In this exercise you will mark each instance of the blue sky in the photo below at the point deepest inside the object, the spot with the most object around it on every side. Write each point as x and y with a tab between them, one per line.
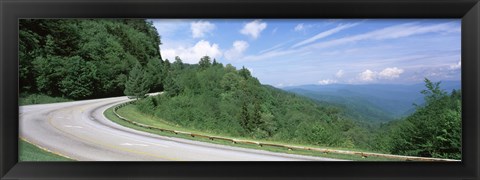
321	51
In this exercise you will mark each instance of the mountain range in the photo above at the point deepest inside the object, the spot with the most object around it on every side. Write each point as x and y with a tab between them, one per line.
371	102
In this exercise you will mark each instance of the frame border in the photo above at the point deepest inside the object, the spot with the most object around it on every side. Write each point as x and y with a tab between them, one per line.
467	10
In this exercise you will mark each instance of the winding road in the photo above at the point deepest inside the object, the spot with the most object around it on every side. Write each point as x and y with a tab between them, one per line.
79	130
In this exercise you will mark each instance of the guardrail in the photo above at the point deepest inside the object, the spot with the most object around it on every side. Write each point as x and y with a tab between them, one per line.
289	147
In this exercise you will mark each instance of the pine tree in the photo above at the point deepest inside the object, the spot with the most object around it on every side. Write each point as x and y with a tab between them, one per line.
137	83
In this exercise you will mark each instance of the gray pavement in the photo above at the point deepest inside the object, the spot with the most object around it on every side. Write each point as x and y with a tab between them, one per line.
80	130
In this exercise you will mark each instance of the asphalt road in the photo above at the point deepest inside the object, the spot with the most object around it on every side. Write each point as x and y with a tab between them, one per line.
80	130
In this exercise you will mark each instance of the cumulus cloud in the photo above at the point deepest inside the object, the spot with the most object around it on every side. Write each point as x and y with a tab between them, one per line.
236	51
456	66
193	54
367	75
254	28
201	28
390	73
327	81
339	73
387	73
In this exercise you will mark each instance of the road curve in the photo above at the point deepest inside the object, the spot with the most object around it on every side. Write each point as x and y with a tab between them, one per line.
79	130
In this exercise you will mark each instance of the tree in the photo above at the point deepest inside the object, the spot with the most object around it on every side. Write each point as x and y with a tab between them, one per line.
245	73
230	82
137	83
204	62
433	130
29	48
216	63
78	79
166	71
230	68
433	91
177	64
154	72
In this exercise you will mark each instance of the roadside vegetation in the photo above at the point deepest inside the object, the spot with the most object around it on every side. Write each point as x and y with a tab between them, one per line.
30	152
93	58
130	112
222	100
28	99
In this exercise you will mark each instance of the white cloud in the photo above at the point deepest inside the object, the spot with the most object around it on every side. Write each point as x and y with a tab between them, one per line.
271	48
327	81
339	73
269	55
254	28
392	32
299	27
390	73
387	73
236	51
193	54
456	66
200	28
324	33
367	75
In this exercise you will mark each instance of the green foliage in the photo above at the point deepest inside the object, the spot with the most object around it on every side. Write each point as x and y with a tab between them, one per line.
29	152
222	100
434	130
79	77
89	58
433	91
86	58
137	83
27	99
204	62
154	75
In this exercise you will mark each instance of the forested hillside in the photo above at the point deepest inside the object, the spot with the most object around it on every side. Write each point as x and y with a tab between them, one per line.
223	100
85	58
355	107
92	58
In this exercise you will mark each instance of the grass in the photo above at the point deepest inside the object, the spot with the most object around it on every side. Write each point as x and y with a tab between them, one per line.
131	113
28	99
30	152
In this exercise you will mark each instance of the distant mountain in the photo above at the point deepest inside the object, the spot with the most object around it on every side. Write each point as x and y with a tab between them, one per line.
371	102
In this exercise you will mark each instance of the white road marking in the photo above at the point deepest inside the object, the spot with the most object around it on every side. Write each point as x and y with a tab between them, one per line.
70	126
129	144
119	135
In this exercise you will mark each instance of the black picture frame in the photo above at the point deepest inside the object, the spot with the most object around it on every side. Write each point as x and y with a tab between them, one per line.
12	10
